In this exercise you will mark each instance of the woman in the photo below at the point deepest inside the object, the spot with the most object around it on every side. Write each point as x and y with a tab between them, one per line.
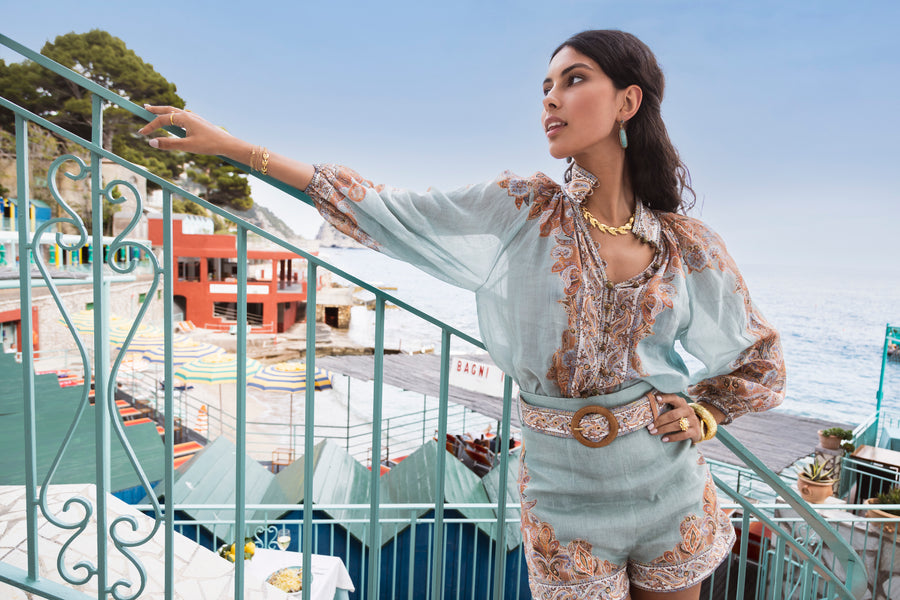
582	291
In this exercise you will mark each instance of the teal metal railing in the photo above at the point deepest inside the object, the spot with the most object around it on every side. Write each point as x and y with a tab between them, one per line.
792	569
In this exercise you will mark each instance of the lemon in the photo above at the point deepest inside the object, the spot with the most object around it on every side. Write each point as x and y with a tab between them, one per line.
249	549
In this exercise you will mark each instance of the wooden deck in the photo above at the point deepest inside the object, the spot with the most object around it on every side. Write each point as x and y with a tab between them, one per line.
777	438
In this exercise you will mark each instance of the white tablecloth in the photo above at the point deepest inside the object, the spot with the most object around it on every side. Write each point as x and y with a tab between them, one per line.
330	578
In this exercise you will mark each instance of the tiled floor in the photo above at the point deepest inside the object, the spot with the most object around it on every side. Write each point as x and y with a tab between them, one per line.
199	573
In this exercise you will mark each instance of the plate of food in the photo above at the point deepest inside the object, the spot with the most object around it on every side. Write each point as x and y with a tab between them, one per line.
287	579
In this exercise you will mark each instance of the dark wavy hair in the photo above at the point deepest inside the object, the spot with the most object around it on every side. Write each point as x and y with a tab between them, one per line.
657	174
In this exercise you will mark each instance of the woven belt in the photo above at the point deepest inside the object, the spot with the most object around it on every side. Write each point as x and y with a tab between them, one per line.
594	426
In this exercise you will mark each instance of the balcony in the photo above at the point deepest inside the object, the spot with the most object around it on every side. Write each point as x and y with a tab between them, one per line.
102	511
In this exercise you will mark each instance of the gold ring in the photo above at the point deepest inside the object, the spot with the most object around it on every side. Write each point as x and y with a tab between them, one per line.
172	119
684	424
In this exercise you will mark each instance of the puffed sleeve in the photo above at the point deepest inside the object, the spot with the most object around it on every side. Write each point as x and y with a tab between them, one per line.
744	365
456	236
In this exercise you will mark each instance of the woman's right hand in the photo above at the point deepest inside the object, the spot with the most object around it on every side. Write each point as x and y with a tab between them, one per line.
205	138
202	136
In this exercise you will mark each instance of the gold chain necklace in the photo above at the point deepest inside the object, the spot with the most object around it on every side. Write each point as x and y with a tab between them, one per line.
606	228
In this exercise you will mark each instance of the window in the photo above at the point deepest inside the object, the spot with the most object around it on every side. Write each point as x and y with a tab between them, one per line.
188	268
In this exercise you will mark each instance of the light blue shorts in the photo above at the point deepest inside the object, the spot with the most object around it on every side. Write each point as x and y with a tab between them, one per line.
638	512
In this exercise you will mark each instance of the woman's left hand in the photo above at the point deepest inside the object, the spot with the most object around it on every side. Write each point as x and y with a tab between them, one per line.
670	424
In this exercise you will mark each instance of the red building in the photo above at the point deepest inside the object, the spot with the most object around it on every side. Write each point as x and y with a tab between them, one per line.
206	287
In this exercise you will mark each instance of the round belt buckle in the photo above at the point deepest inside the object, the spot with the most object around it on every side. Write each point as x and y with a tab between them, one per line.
594	410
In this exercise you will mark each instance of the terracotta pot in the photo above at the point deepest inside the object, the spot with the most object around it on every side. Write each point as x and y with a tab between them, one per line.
815	492
874	513
830	442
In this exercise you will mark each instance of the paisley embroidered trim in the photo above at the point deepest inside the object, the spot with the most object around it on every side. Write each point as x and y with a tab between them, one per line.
607	321
705	542
557	572
558	423
581	184
756	378
331	200
614	587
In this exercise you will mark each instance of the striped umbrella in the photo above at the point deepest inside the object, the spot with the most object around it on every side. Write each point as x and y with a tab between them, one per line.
84	321
119	330
215	369
288	377
184	351
218	368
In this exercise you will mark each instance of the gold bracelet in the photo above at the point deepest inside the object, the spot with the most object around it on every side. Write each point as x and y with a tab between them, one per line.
253	158
709	427
265	162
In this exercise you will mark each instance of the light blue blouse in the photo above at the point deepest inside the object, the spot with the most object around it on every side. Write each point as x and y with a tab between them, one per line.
547	314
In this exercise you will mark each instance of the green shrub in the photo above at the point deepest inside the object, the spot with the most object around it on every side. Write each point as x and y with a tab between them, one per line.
844	434
891	496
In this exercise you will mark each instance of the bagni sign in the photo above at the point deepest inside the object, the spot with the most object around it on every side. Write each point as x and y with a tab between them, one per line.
476	376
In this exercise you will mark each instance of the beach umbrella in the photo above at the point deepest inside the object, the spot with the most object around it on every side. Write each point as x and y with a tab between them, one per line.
119	330
215	369
289	377
184	351
144	342
84	321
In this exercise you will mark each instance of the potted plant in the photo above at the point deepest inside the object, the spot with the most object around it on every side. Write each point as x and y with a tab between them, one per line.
229	552
815	482
891	496
833	437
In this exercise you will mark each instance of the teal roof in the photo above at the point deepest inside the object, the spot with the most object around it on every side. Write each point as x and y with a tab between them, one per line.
338	478
209	478
56	409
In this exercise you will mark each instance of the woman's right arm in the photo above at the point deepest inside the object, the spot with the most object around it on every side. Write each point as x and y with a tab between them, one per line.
455	235
205	138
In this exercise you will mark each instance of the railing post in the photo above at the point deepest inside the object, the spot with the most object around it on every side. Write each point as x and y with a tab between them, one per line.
168	376
241	414
500	558
23	176
101	348
437	583
309	423
347	434
879	395
375	481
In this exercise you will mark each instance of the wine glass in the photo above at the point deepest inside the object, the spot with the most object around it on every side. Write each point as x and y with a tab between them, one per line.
283	539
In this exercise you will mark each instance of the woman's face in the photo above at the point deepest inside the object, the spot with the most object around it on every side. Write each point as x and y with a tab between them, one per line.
581	107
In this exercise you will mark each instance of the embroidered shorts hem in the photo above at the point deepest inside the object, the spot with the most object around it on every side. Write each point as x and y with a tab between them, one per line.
611	587
684	575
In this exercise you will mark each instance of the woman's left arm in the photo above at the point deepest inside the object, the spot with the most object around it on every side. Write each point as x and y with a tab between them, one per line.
744	365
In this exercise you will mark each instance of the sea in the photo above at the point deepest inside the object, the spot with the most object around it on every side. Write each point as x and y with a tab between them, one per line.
832	322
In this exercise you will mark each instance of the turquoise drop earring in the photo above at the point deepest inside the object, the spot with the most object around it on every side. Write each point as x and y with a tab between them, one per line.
623	137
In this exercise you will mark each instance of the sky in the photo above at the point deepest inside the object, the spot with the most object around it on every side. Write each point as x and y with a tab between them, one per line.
784	112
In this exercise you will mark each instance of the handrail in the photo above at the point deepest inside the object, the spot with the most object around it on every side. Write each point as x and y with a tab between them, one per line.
852	564
170	187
